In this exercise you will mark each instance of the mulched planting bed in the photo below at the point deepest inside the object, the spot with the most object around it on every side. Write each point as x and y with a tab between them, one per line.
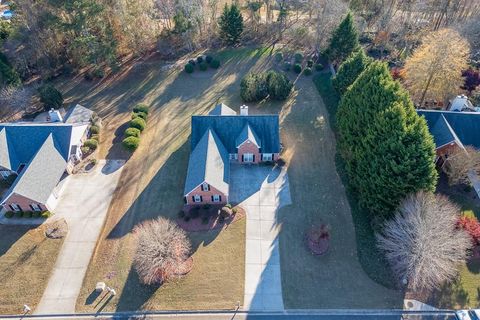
214	219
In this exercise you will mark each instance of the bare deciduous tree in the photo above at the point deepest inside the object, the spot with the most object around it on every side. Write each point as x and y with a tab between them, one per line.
461	163
422	242
162	252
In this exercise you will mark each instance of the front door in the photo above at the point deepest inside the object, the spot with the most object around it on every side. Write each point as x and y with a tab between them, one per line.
248	157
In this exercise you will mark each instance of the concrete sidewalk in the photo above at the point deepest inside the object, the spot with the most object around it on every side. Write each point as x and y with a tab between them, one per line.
261	190
84	204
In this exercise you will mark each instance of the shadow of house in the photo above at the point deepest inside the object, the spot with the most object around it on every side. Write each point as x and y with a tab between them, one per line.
10	234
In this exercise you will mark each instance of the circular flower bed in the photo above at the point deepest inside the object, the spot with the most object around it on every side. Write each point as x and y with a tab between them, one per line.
318	239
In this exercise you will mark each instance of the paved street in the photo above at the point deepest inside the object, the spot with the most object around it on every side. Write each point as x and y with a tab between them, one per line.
84	204
261	190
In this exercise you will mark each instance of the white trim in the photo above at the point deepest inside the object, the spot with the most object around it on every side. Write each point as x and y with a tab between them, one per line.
216	198
197	198
249	141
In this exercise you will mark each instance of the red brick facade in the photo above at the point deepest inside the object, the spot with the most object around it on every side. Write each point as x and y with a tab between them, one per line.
206	196
249	147
23	202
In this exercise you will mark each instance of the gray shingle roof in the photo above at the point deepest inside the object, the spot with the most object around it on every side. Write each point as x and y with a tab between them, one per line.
248	134
209	163
78	114
222	109
228	128
24	139
42	173
449	126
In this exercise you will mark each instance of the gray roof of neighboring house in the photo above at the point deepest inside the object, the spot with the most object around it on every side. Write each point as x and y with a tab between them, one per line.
248	134
42	173
209	162
78	114
450	126
222	109
229	128
19	142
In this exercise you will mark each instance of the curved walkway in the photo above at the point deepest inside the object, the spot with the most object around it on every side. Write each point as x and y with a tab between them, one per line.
261	190
84	204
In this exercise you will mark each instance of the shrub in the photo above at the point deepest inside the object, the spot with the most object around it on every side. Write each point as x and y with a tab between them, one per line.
278	56
298	57
9	214
319	67
253	87
27	214
208	59
189	68
132	132
228	205
192	62
36	214
19	214
95	137
163	248
131	143
278	84
203	66
50	96
186	218
141	107
138	123
181	214
286	66
94	129
307	71
92	144
226	212
88	75
310	63
9	74
46	214
84	149
98	73
424	229
215	64
199	59
142	115
469	223
195	212
297	68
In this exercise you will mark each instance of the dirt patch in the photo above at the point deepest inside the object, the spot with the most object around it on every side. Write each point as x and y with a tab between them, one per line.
317	240
208	219
57	229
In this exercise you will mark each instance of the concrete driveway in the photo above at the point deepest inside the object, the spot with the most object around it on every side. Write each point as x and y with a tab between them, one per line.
84	204
261	190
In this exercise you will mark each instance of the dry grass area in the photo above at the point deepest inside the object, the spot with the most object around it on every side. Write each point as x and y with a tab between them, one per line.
153	178
27	258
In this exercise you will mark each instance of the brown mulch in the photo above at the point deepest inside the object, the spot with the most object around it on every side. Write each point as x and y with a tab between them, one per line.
194	225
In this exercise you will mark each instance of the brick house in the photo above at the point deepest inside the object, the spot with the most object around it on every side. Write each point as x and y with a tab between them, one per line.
38	155
452	130
222	138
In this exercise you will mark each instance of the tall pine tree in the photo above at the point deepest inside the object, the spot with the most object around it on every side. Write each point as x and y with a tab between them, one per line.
231	24
344	40
349	70
388	150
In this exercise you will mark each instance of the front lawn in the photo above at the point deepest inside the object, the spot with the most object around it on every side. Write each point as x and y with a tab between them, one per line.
27	258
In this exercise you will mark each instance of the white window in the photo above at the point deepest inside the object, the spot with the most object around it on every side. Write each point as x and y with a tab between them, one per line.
248	157
15	207
216	198
5	174
197	198
233	156
36	207
205	187
267	157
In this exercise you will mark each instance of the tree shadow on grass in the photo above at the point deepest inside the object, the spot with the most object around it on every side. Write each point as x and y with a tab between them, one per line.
135	294
117	151
10	234
449	296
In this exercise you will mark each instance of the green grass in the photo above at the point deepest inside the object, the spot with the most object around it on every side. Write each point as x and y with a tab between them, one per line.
27	258
372	260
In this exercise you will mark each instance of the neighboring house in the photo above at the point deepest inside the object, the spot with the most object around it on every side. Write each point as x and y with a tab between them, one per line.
39	154
461	103
451	130
223	137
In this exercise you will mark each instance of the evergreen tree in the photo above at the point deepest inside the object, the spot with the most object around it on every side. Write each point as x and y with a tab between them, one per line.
349	70
388	150
344	40
231	24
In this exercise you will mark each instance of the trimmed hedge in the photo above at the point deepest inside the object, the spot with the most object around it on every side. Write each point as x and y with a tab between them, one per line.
138	123
199	59
215	64
132	132
46	214
189	68
9	214
131	143
286	66
278	56
203	66
297	68
141	108
92	144
94	129
307	71
319	67
192	62
208	59
298	57
142	115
